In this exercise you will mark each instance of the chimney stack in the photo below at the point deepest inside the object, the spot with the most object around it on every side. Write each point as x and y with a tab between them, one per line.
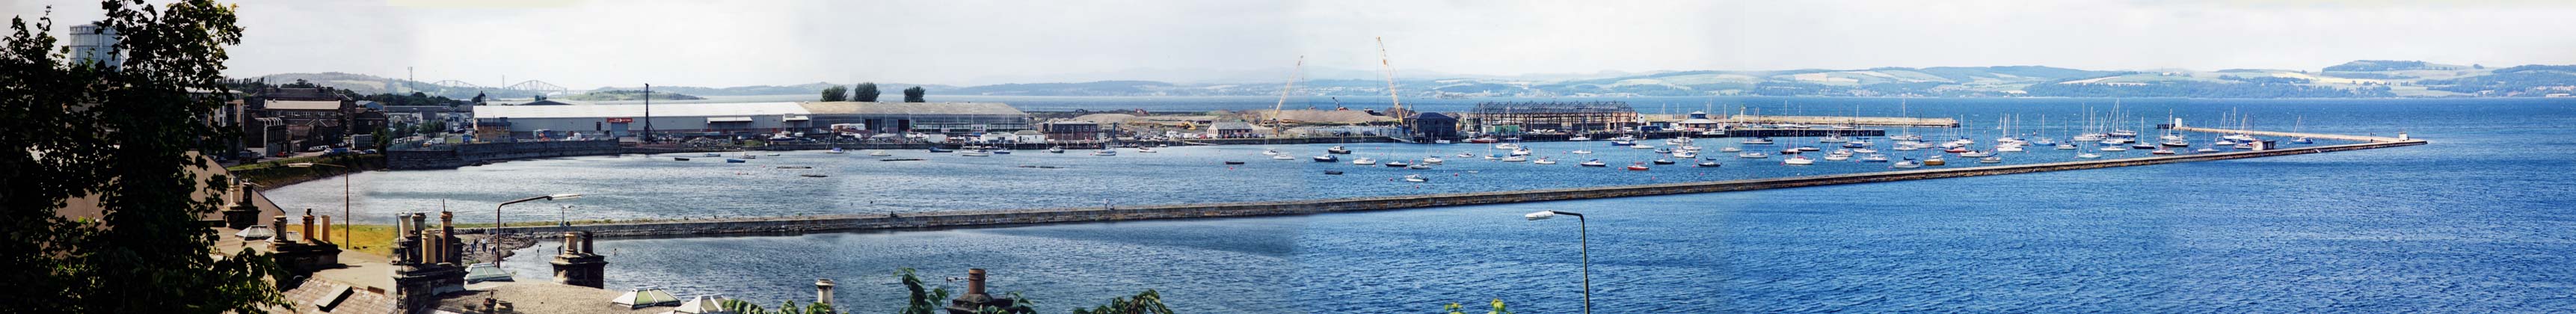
278	224
447	246
308	225
974	281
326	229
823	291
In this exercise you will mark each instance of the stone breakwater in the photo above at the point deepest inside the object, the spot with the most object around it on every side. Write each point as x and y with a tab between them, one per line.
1244	209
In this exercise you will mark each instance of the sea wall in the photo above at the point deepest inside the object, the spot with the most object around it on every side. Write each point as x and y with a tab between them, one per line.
452	156
1242	209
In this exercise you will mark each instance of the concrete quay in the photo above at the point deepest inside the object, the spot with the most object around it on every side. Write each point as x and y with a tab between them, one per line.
2401	136
1834	120
776	225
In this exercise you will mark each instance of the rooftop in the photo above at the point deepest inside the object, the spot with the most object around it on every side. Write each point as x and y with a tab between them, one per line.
636	111
304	104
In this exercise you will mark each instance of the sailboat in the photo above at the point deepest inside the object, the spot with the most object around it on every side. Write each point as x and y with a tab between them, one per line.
1798	160
1594	163
880	153
1544	161
1363	161
1909	163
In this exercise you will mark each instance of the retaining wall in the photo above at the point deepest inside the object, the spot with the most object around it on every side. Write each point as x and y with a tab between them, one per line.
1092	214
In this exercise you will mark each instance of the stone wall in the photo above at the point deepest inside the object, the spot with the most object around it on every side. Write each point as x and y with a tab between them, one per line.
452	156
1184	211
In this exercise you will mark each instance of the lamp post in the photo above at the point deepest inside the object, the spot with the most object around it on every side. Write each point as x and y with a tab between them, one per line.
1583	233
495	232
344	197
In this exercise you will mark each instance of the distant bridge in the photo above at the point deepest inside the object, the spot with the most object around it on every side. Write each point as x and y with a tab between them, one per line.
529	86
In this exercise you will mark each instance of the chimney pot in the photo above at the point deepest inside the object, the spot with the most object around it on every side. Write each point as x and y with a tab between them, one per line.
974	281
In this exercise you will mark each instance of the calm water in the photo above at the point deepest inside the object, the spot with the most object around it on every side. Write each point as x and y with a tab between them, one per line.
2476	222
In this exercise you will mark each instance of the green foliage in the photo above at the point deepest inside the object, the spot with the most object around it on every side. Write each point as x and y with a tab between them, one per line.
1454	308
866	92
1148	302
124	137
383	137
914	94
923	300
540	97
836	93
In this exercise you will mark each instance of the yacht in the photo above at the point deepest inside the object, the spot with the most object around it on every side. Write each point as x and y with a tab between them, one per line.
1708	164
1396	164
2177	143
1516	158
1909	163
2088	155
1758	141
1637	167
1466	155
1753	155
1660	161
1415	178
2142	145
1580	152
1798	160
1935	160
1578	138
1729	149
1544	161
1326	158
2223	143
1364	161
1337	150
1874	158
1057	149
1594	163
1990	160
1105	152
1434	160
1832	139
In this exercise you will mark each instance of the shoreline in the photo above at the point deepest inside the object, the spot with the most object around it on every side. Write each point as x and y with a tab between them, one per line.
995	218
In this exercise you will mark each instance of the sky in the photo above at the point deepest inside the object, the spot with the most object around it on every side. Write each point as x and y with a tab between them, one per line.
592	43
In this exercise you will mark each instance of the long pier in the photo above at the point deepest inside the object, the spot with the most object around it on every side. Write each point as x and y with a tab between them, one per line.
2401	136
1300	207
1832	120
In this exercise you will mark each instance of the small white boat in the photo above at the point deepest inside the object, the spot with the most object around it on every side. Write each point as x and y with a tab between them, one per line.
1433	160
836	150
1418	167
1907	164
1837	157
1874	158
1282	157
1594	163
1269	152
1865	151
1466	155
2223	143
1686	154
1578	138
1364	161
1415	178
2114	149
1507	146
1544	161
1729	149
2088	155
1520	158
2065	146
1580	152
1798	160
1753	155
1642	146
2008	148
1105	152
1687	147
1520	152
1057	149
1678	141
2205	150
880	153
1758	141
1832	139
2302	140
1990	160
1145	150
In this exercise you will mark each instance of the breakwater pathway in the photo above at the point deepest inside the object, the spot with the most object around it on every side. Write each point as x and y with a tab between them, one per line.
1112	212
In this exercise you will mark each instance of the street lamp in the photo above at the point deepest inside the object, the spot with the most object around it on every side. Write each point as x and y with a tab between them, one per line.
344	198
495	233
1584	233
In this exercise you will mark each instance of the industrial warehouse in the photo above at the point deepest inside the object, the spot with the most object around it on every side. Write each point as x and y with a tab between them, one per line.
549	122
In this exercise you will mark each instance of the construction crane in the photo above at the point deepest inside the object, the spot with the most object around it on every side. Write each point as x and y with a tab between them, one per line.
1299	73
1397	109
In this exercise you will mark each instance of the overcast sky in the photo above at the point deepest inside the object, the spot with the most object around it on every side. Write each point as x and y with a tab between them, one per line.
583	44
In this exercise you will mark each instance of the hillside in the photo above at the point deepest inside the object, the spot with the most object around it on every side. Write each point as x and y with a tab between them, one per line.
2365	78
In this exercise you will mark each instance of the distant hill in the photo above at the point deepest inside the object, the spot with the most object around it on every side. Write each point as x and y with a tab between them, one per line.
2364	78
628	94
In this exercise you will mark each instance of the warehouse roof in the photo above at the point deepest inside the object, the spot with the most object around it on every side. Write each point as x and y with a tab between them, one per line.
637	111
304	104
911	108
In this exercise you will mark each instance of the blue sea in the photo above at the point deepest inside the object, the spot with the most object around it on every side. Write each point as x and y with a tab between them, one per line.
2476	222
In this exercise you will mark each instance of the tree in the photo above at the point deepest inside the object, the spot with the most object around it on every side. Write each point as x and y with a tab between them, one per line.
1148	302
836	93
382	139
541	97
924	300
913	94
478	98
127	138
867	92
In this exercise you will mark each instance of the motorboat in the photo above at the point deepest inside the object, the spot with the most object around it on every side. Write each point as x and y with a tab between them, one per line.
1580	152
2114	149
1146	150
880	153
1956	150
2088	155
1990	160
1874	158
1752	155
1434	160
1685	154
734	161
1418	167
1809	148
1578	138
1798	160
1282	157
1364	161
1337	150
835	150
1326	158
1415	178
1729	149
1396	164
680	158
1935	160
1837	157
1105	152
712	155
1909	163
1544	161
1593	163
2065	146
1660	161
1269	152
1637	167
1708	164
1832	139
1333	172
1519	158
1057	149
1520	151
2162	151
1758	141
1622	143
975	153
